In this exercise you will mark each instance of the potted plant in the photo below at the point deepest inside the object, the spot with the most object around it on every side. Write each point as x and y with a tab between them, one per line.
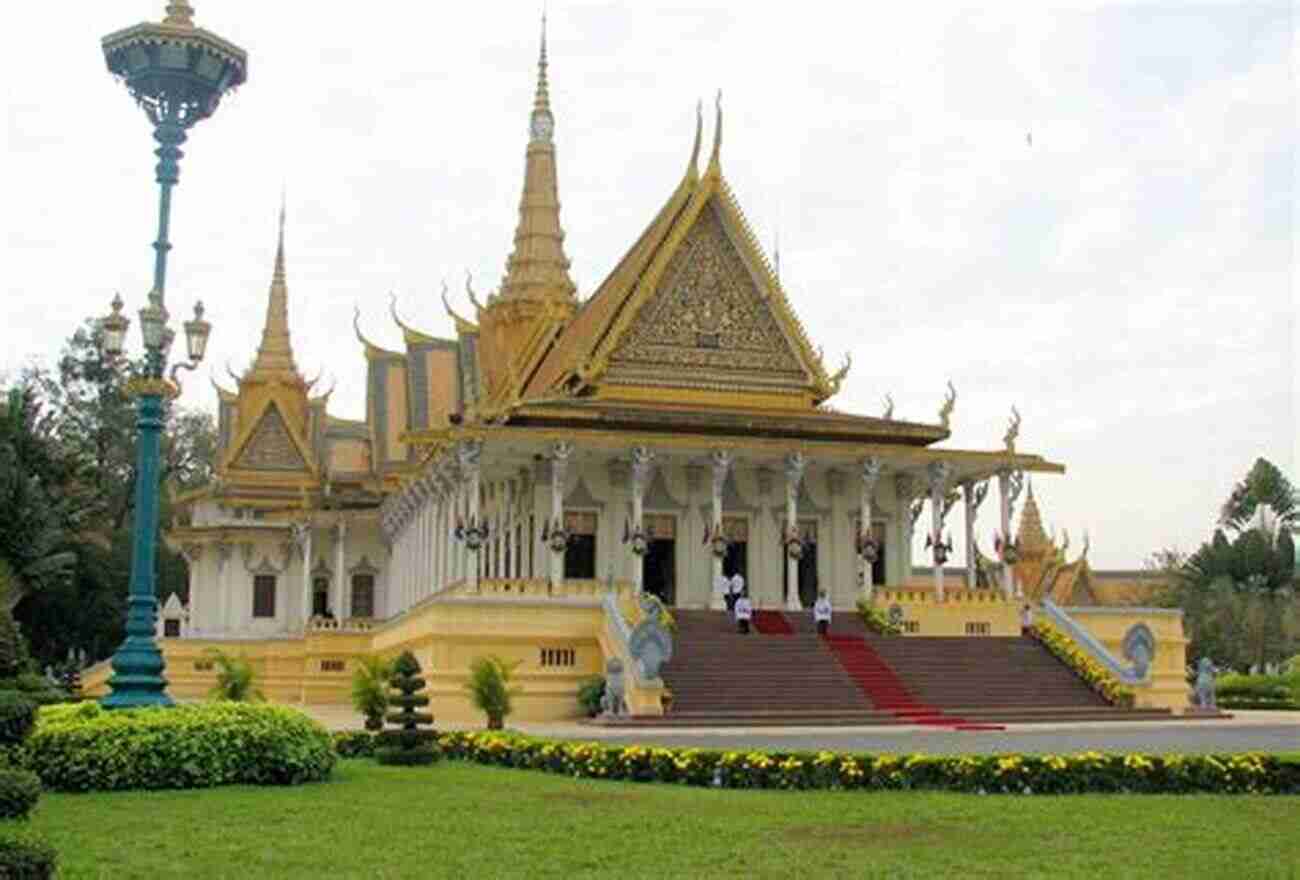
489	688
370	689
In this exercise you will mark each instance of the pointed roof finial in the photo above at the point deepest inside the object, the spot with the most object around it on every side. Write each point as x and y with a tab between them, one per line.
542	100
179	14
275	354
693	169
715	161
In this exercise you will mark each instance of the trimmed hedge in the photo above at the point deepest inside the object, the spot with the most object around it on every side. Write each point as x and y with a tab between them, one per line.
983	774
85	748
24	856
17	717
19	792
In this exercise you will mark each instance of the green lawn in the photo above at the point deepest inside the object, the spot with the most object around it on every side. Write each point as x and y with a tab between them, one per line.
468	822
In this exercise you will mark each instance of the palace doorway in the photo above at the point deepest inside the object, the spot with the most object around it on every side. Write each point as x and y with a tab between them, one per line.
320	597
806	584
659	572
580	556
736	562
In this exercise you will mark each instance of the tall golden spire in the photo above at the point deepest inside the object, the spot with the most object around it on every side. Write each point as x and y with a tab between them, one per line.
1031	536
537	269
275	354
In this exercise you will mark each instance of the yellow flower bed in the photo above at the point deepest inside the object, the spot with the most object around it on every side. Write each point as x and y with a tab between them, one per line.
1097	676
986	774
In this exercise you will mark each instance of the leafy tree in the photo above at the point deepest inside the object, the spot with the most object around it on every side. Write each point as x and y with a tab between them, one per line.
41	500
85	418
1264	484
1239	594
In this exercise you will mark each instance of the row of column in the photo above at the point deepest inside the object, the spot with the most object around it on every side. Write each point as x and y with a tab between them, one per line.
432	556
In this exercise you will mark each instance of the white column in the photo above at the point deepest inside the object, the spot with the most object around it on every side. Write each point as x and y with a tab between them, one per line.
1009	485
512	516
340	572
642	468
939	473
470	452
973	495
871	467
721	464
305	546
794	468
560	455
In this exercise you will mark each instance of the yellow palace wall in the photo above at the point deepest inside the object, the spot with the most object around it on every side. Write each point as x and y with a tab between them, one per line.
1168	688
560	642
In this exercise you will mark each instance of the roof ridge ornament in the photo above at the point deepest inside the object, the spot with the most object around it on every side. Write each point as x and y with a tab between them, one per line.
693	169
715	161
945	411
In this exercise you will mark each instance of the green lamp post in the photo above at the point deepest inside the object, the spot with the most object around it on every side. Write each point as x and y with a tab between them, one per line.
178	75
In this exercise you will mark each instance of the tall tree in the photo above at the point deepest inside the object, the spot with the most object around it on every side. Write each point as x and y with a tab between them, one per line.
42	502
1264	484
89	417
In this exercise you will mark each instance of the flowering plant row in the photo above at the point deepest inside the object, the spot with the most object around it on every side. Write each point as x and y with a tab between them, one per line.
982	774
877	621
1092	672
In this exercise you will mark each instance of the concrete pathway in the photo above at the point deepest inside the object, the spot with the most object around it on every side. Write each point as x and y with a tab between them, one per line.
1246	732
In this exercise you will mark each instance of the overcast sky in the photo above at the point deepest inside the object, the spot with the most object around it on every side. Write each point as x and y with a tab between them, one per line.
1127	279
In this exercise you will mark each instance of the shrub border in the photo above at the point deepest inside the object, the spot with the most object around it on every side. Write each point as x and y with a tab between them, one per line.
1249	773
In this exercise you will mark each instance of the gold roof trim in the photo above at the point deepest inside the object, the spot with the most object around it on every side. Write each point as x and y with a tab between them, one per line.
410	335
462	326
373	352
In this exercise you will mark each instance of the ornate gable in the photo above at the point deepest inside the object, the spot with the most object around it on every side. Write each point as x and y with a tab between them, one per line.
270	447
707	322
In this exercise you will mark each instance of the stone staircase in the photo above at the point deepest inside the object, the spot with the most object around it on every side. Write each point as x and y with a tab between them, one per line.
789	676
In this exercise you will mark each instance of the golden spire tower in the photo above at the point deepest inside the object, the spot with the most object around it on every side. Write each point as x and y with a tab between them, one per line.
538	267
537	296
275	354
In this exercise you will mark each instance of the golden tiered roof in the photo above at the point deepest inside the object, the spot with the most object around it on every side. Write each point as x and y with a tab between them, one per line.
694	306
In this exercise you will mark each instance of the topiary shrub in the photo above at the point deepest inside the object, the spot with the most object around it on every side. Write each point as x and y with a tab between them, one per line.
489	688
19	792
84	748
590	693
17	717
408	745
24	856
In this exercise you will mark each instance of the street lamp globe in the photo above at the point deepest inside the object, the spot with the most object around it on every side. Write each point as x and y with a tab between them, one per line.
113	330
196	334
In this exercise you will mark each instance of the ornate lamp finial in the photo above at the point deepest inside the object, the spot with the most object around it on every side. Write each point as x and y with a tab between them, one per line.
179	14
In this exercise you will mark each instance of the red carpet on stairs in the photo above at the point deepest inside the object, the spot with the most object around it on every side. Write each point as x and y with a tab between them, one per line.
772	623
885	689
